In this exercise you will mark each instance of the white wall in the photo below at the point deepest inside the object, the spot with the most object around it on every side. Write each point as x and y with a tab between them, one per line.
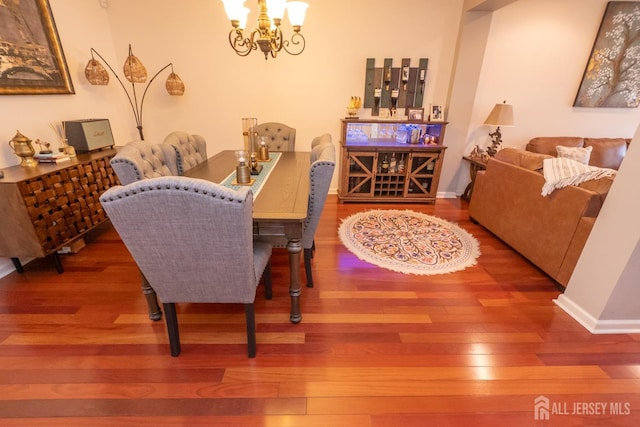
602	293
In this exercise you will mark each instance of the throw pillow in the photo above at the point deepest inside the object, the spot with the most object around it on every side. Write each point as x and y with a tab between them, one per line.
579	154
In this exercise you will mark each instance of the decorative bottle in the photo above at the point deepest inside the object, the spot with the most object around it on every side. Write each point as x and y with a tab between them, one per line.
393	164
385	165
401	164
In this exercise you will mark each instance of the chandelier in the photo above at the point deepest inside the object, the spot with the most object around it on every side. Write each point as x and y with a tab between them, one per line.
268	36
135	72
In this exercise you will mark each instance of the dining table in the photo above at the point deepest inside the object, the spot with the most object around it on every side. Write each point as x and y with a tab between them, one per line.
281	197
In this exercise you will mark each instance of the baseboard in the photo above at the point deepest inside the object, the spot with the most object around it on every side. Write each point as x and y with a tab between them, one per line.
593	325
446	195
6	267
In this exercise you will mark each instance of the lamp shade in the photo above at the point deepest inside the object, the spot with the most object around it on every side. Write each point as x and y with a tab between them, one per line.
276	8
134	70
296	11
234	9
501	115
174	85
96	73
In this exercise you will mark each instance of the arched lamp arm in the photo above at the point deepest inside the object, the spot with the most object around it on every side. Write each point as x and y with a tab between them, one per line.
170	64
133	106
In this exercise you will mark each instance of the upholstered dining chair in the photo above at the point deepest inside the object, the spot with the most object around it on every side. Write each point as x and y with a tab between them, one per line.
141	159
279	136
193	241
319	140
190	149
323	163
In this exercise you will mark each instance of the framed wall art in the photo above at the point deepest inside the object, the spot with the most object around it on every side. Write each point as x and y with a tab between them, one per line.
31	58
612	75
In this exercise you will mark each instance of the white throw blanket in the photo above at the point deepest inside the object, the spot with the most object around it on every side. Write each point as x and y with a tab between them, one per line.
560	172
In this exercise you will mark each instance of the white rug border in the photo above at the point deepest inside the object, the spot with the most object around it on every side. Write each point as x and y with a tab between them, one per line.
472	260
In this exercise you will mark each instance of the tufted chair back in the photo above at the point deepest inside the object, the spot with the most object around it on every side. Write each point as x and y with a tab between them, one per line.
316	142
140	159
193	242
280	137
323	164
323	158
190	149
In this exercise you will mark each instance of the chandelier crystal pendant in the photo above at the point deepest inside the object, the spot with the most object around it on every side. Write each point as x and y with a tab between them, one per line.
268	36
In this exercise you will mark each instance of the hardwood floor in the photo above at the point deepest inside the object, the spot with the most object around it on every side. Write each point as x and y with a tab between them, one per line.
375	347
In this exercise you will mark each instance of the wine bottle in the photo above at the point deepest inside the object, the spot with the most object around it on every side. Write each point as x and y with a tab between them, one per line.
393	164
385	165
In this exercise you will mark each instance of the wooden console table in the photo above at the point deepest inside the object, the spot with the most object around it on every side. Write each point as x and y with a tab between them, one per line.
45	207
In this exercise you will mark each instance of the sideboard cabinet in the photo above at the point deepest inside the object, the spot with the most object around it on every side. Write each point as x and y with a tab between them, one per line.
45	207
378	164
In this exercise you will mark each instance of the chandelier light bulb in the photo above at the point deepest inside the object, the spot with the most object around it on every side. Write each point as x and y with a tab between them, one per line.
276	9
296	11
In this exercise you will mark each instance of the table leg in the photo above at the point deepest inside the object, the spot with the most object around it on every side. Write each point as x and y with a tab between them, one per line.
294	247
473	170
152	302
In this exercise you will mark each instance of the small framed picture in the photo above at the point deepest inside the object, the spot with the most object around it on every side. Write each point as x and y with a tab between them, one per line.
437	113
415	114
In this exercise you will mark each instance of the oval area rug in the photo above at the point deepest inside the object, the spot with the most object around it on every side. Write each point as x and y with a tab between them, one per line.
408	242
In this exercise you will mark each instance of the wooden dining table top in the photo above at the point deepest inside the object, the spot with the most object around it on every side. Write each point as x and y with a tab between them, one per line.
284	195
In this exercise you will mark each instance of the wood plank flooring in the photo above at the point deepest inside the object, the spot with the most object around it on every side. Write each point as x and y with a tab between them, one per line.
375	347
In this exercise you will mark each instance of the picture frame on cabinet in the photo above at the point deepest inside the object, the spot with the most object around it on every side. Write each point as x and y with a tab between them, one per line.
415	114
436	113
31	59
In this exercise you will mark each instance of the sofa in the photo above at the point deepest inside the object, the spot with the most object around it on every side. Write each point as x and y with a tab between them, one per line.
550	231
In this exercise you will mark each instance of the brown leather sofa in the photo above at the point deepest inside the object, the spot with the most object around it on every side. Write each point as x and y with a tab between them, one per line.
549	231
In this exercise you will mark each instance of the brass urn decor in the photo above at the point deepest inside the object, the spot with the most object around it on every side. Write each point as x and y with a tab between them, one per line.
22	147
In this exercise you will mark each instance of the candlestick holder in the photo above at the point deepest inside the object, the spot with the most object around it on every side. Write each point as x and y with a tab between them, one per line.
243	173
263	151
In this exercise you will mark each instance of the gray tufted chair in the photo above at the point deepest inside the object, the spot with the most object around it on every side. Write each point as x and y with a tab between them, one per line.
141	159
190	149
193	241
315	142
323	163
280	137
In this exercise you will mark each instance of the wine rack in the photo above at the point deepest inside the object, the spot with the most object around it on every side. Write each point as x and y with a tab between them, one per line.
377	166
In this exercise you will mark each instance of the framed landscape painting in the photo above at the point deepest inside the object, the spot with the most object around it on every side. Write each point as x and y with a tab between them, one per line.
612	75
31	58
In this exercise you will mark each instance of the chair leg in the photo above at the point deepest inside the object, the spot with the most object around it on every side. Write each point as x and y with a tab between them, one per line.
308	254
171	319
251	329
152	301
266	278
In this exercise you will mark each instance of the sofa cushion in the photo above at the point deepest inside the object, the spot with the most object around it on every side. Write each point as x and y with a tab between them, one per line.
548	144
522	158
607	152
579	154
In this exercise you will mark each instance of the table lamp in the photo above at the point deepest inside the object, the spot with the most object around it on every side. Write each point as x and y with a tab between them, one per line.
501	115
